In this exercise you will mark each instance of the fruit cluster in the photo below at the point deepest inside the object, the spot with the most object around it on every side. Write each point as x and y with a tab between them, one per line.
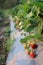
30	48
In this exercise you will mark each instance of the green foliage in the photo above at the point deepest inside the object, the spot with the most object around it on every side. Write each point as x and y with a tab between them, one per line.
32	22
9	44
22	1
8	41
7	32
30	37
38	4
30	13
1	13
17	8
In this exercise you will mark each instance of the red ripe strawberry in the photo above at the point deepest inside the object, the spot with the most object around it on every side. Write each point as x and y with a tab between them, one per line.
32	55
34	46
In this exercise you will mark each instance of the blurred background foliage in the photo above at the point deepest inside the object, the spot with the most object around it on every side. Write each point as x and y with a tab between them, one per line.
4	4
